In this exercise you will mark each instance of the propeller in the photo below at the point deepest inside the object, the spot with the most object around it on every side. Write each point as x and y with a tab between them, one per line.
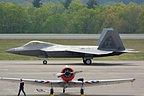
60	74
77	72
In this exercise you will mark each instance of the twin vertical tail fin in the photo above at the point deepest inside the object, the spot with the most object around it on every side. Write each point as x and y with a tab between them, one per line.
110	41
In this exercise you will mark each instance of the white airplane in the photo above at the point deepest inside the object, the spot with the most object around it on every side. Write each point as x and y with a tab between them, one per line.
109	44
67	75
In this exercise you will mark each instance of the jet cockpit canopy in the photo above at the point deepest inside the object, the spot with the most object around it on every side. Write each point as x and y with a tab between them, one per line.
34	43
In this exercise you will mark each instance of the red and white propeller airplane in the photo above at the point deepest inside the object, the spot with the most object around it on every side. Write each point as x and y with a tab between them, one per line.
67	75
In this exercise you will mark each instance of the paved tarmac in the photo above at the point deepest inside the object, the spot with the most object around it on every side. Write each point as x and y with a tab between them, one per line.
98	70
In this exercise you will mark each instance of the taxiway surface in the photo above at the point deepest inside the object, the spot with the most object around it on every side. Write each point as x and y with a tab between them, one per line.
98	70
65	36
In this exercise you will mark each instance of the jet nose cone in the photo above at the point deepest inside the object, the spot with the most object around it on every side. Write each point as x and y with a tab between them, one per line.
11	50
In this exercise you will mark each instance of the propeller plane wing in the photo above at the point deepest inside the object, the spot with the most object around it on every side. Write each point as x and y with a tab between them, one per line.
67	75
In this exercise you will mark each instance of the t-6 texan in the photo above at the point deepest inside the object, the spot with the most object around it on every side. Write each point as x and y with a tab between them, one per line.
67	75
109	44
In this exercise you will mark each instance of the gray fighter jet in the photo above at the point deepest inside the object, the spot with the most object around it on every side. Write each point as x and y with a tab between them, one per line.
109	44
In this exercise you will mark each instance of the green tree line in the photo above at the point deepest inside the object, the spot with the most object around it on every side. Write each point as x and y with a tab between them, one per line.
75	18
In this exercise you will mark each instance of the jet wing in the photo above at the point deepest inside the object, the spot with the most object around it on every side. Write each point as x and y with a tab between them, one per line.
88	51
73	83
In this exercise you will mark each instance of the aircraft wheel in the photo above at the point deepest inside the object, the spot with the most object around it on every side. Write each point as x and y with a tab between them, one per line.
44	62
82	91
87	61
51	91
63	90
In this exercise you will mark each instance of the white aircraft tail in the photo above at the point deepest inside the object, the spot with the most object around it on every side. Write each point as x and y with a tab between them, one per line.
110	40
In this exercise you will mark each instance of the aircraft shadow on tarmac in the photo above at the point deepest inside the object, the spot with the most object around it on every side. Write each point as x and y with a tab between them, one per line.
81	64
96	64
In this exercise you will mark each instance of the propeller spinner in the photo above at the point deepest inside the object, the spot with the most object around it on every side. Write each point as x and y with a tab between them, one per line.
67	73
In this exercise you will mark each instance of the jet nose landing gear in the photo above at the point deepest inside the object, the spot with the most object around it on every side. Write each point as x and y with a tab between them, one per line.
44	62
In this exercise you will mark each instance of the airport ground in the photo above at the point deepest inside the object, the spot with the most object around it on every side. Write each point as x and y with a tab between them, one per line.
34	69
29	67
65	36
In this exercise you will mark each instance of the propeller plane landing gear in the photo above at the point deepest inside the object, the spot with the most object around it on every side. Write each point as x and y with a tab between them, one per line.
64	89
51	92
82	89
82	92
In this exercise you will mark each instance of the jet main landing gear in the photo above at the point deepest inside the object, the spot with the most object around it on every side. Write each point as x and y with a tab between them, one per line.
87	61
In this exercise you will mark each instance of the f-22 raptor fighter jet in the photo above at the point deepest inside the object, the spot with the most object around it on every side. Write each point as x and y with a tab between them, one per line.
109	44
